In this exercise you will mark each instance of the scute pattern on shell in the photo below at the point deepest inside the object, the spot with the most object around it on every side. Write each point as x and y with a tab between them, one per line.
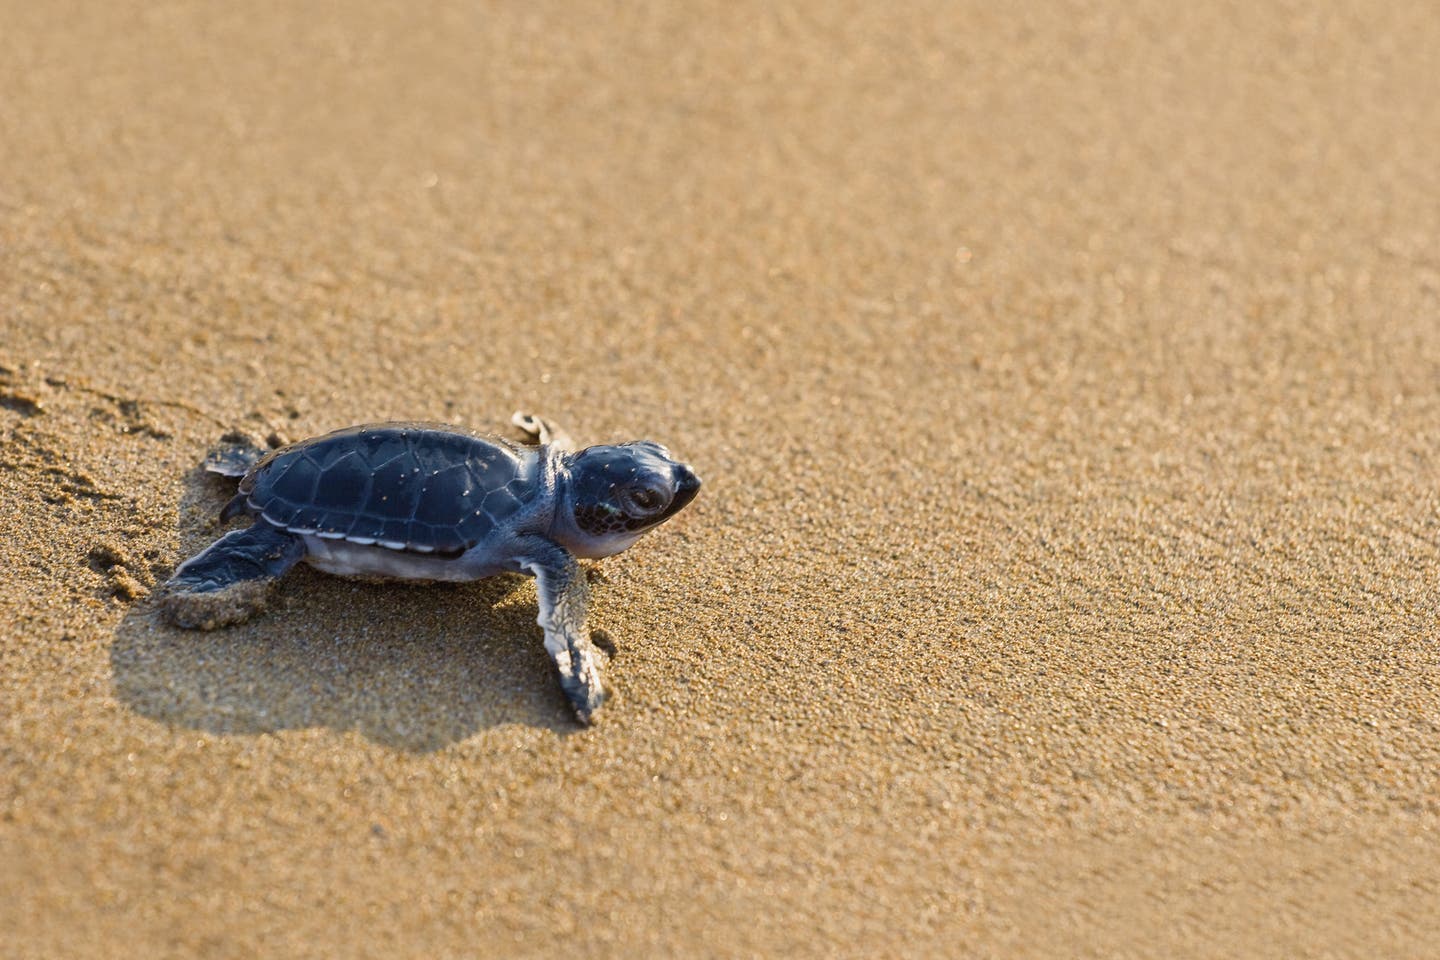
425	488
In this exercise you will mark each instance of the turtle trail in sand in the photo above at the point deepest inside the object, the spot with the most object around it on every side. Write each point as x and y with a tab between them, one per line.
423	501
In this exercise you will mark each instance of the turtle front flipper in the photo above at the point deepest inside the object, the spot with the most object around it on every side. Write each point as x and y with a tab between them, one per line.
542	431
564	597
228	581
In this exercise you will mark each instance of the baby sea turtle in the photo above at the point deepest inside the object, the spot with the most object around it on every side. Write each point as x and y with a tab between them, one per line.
426	501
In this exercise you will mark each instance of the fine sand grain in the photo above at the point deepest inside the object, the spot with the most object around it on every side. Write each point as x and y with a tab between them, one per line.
1066	384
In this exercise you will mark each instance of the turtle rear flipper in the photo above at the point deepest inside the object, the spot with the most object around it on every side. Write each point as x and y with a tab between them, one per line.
234	456
228	582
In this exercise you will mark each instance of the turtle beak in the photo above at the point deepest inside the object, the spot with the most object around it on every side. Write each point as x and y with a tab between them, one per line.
686	486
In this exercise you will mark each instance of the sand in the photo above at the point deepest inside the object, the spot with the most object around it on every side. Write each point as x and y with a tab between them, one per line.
1064	383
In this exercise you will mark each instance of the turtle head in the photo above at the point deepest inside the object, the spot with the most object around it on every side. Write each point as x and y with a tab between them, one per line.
615	493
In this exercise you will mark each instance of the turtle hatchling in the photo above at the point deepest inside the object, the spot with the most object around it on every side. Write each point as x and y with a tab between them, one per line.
423	501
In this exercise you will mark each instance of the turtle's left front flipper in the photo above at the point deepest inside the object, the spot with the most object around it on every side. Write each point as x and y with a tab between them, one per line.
541	431
228	581
564	598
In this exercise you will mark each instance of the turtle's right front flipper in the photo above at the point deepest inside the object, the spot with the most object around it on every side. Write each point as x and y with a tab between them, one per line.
563	596
228	581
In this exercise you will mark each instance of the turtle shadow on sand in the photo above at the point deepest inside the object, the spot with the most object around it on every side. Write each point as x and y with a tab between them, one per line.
412	667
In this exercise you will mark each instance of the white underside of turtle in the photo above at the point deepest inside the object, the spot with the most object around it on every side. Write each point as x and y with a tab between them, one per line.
414	501
346	559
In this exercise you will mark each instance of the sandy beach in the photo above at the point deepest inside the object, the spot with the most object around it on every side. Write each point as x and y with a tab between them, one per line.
1065	382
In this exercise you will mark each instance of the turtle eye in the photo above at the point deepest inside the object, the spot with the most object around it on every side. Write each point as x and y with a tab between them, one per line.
645	500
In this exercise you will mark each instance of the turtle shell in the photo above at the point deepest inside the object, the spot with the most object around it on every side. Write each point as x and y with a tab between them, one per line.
419	487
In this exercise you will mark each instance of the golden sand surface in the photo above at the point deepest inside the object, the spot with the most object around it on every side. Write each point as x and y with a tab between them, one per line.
1064	381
